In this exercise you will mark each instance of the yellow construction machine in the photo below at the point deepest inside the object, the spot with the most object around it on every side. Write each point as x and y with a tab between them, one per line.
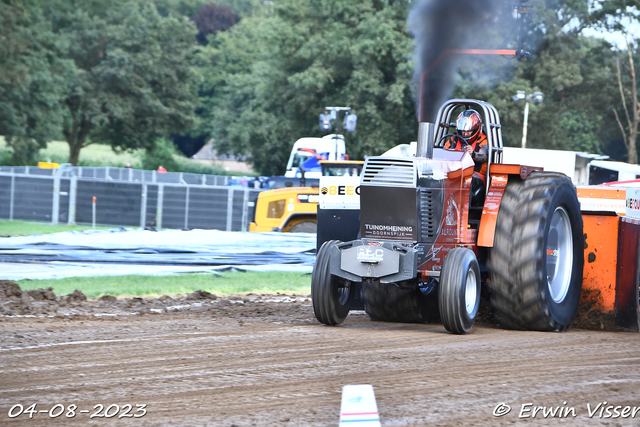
295	209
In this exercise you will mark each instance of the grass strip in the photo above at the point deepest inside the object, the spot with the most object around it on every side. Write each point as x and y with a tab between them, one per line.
26	228
225	283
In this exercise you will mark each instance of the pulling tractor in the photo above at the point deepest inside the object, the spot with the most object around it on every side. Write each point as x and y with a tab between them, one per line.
426	244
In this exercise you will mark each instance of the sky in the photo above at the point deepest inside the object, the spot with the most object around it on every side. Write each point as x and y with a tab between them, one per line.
617	39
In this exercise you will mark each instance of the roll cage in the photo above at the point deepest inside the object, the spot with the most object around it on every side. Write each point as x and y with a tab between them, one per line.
491	126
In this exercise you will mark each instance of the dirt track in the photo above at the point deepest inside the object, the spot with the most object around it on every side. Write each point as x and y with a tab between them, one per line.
265	361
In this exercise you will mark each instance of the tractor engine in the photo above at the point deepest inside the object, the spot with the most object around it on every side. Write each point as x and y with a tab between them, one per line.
411	211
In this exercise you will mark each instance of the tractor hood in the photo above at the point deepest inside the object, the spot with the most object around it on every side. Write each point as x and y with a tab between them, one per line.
402	199
409	172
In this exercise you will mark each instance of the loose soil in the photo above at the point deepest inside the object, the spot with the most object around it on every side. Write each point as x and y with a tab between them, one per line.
264	360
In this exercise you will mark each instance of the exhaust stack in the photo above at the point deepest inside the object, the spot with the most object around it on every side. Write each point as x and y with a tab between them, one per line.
425	140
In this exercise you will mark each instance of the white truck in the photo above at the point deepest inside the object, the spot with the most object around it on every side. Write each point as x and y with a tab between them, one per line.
331	147
307	152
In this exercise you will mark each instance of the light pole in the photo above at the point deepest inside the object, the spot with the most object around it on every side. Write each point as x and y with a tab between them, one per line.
537	98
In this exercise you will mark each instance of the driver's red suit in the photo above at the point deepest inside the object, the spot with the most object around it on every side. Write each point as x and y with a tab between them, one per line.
479	153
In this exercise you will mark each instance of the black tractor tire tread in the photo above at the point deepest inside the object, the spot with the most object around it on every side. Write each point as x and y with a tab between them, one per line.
501	258
325	308
516	296
447	299
449	303
316	294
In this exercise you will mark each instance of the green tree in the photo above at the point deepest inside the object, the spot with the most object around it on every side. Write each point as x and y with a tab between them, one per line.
228	53
629	101
31	79
617	16
191	7
161	153
132	83
210	20
574	73
306	55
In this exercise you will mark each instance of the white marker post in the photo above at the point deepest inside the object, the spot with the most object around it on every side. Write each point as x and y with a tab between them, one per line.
358	407
93	213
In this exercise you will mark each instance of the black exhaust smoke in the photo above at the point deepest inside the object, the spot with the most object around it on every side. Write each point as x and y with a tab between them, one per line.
439	28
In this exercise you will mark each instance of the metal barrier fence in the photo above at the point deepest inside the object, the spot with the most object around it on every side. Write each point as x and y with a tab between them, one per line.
126	197
121	174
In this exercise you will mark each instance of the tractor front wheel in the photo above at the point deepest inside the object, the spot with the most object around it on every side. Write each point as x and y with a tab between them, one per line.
459	292
331	296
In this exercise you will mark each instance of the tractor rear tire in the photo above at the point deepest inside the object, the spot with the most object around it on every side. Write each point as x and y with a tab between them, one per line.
537	257
331	296
304	227
459	291
385	302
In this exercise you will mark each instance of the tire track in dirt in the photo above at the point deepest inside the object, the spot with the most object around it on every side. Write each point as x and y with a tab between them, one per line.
265	360
283	368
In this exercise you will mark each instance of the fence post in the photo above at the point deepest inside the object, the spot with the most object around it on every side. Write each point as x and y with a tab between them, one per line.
229	207
55	211
93	212
72	199
143	206
159	207
13	188
186	210
245	206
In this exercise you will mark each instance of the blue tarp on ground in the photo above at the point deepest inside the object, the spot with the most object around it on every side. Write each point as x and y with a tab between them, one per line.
123	252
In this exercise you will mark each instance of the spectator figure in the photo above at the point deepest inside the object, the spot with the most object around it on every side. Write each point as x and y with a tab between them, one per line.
128	165
161	169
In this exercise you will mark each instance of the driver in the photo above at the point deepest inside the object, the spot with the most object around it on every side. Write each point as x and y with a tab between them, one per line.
469	126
